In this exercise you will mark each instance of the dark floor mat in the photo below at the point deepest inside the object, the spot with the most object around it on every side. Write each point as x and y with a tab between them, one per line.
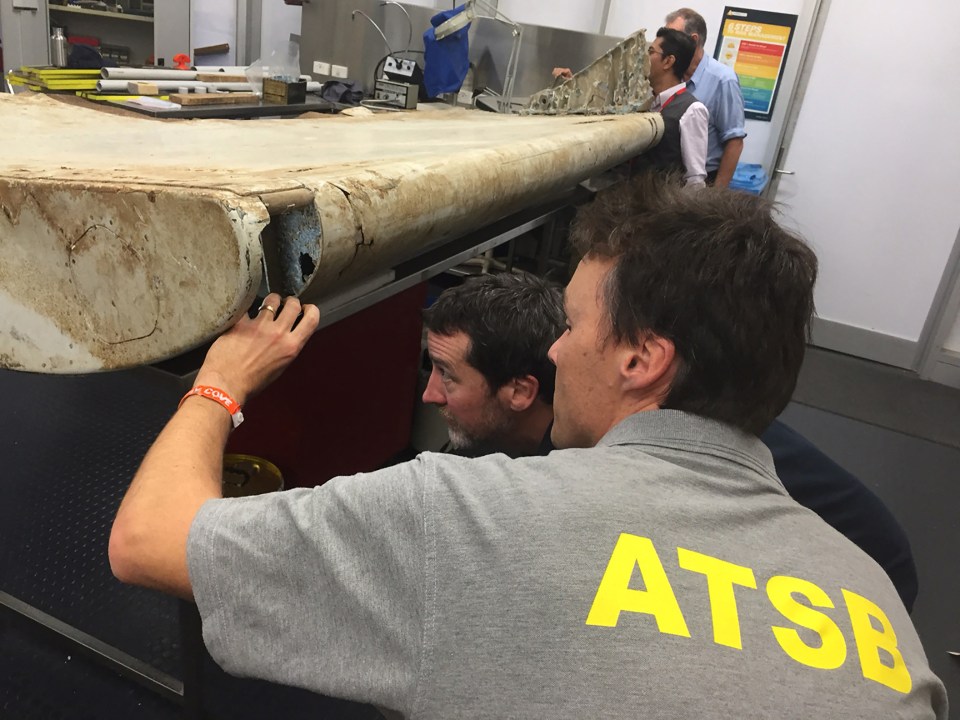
880	395
41	680
70	448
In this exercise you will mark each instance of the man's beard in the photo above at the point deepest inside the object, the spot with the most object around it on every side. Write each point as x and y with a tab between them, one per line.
487	438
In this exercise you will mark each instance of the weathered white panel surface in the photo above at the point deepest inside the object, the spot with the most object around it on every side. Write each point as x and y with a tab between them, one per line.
126	240
94	276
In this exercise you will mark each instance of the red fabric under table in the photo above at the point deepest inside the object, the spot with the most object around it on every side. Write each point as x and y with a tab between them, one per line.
346	404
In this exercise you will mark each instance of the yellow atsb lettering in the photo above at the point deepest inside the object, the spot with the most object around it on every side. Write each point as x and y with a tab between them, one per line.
615	595
870	641
721	577
833	649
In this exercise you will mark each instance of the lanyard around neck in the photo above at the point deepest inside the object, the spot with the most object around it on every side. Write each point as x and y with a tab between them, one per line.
681	91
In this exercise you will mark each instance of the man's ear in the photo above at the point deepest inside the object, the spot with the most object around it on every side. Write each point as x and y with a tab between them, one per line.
519	393
648	365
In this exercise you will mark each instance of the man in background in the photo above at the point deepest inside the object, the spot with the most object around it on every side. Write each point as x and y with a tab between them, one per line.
683	147
488	339
717	87
490	377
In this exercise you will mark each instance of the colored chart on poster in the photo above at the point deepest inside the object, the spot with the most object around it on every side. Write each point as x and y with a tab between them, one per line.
754	43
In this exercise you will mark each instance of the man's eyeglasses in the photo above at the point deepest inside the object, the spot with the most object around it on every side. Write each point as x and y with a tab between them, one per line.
653	51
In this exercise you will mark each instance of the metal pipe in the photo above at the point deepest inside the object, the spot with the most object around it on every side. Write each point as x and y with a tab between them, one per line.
409	21
353	16
511	72
605	17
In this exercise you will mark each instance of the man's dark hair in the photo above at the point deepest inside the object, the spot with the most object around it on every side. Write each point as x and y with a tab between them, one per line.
693	22
511	319
680	45
713	272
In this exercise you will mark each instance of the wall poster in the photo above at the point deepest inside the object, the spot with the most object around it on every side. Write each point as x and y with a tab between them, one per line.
754	43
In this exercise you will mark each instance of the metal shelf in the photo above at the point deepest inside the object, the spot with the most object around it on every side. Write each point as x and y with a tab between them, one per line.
99	13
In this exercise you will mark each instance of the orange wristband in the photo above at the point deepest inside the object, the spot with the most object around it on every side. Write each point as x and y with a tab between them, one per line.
218	396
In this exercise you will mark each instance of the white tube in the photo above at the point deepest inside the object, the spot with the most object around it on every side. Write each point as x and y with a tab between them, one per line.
120	86
128	73
168	85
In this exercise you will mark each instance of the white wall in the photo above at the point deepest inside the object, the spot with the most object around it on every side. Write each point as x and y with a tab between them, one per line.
213	22
278	22
582	15
876	151
171	29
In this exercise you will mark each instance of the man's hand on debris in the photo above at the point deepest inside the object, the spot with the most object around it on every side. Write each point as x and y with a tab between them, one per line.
253	353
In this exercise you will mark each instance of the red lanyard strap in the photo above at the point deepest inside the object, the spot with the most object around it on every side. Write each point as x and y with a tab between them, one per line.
681	91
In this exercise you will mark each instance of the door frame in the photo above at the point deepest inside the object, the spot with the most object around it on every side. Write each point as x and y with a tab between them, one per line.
778	149
934	362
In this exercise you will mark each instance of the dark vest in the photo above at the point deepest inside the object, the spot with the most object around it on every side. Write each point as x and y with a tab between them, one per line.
666	156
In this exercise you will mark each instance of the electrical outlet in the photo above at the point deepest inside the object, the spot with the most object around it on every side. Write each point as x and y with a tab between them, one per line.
338	71
321	68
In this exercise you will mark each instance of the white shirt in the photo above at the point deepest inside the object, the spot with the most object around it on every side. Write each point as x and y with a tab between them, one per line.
694	128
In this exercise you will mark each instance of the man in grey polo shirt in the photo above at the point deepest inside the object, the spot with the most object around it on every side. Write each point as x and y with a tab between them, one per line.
493	389
654	567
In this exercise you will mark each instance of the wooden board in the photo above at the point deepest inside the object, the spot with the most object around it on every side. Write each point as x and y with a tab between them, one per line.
218	49
125	240
233	98
216	77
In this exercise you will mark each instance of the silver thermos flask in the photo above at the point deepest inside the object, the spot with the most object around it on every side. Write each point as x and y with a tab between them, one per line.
58	48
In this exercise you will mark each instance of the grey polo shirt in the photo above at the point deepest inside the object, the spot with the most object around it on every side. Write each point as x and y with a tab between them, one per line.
664	573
